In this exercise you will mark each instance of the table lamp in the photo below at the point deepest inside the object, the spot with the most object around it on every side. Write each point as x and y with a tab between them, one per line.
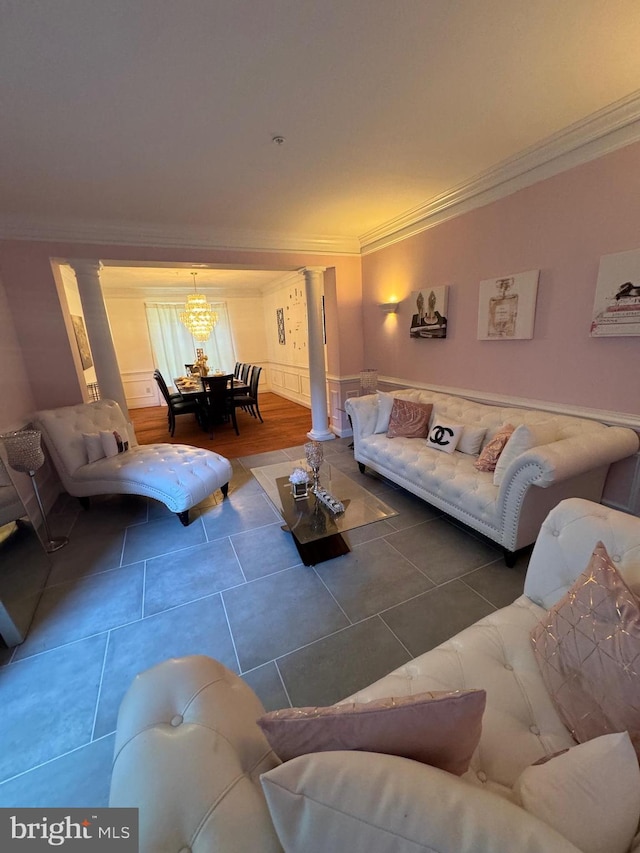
24	454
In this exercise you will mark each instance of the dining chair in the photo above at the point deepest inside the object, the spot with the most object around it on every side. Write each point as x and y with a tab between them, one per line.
249	402
175	403
237	370
219	401
244	374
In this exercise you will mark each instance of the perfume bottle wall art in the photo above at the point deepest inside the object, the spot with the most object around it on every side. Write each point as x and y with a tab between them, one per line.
503	310
507	307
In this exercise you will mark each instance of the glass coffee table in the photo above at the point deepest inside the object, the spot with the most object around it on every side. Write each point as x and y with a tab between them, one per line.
316	530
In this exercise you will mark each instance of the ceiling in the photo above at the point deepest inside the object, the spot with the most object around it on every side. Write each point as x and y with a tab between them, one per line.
158	116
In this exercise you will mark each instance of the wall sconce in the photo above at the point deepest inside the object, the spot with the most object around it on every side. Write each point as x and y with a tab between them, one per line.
389	307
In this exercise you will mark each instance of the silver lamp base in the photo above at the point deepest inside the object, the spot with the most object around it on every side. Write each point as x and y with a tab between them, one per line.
55	544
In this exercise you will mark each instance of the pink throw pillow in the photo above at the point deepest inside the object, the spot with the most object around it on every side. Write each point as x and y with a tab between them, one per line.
409	419
588	652
437	728
491	453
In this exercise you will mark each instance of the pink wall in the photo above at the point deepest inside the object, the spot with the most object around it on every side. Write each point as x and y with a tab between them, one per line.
560	226
32	297
17	399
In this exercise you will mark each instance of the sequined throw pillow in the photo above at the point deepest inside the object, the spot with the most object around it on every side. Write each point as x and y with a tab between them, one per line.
437	728
588	651
491	453
409	419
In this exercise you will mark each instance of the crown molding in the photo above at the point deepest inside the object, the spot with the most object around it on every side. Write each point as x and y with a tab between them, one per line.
156	236
607	130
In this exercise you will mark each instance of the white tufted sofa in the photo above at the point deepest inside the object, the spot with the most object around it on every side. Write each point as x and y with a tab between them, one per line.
189	755
177	474
575	465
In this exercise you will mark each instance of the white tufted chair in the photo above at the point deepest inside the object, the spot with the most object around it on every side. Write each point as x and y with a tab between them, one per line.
178	475
188	753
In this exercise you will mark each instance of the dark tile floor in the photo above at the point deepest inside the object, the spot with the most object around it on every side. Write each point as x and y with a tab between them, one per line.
134	587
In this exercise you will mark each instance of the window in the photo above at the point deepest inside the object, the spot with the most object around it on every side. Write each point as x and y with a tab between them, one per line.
173	346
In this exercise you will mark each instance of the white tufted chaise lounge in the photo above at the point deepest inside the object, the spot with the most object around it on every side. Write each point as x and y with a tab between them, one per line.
178	475
189	755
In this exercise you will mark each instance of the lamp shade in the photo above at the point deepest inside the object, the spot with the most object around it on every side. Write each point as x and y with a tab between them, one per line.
24	449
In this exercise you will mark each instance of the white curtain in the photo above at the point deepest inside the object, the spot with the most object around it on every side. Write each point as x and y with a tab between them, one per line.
173	346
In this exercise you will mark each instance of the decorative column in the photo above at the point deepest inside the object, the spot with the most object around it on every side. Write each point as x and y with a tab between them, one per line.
317	374
98	331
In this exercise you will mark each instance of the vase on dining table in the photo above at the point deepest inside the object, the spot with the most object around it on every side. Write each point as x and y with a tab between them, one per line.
315	457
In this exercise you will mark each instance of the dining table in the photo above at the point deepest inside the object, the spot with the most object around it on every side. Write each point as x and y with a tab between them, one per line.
191	388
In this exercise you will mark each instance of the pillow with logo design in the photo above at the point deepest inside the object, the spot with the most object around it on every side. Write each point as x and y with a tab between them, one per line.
444	436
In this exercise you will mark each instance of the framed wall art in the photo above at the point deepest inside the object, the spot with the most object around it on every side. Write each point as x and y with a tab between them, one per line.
82	341
507	307
616	309
429	319
282	338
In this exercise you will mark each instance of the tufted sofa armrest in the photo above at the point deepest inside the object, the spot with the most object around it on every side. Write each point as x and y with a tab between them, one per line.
569	457
188	755
363	412
565	544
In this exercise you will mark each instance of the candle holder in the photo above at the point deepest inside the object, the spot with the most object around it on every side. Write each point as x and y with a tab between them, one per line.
315	457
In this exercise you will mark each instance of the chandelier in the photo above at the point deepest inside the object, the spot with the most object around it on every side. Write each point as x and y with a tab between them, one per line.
198	316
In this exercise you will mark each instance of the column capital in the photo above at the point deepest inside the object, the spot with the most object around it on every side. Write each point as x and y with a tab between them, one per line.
85	265
316	270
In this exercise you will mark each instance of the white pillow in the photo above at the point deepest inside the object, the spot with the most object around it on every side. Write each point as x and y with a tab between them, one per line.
114	442
590	794
365	802
93	446
471	440
385	404
444	436
523	438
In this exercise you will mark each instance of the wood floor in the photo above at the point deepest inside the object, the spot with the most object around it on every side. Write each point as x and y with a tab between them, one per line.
285	425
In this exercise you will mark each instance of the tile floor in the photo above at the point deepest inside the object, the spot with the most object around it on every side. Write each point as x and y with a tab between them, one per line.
133	587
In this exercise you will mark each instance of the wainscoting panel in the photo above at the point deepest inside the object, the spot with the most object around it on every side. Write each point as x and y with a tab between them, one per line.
140	389
291	381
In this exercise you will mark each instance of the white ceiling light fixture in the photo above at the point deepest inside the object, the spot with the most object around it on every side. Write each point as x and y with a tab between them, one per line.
198	316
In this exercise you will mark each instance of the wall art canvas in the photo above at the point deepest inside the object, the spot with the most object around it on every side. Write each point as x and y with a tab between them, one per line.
507	307
82	341
429	312
616	309
282	338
